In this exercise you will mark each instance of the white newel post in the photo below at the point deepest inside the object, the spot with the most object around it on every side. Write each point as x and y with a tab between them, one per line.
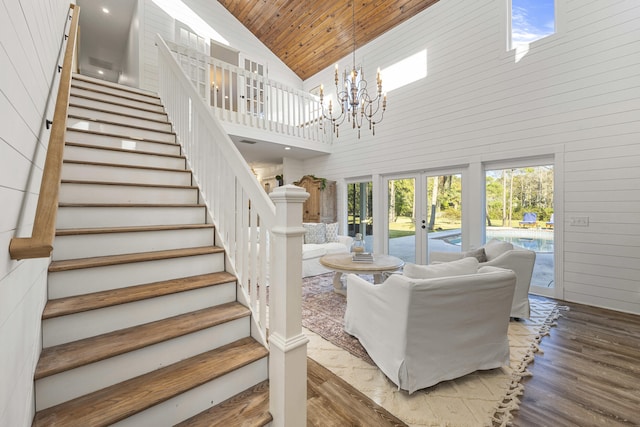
287	343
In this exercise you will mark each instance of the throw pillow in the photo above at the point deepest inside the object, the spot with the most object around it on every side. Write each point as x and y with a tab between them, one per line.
332	232
315	232
494	247
478	254
454	268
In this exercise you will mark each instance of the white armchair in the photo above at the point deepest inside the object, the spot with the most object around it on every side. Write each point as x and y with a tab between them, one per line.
420	332
502	254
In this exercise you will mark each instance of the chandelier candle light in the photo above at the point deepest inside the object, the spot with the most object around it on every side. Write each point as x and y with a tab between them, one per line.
356	105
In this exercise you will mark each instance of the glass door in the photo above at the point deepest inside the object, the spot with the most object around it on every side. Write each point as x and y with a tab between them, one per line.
360	211
402	240
443	212
424	214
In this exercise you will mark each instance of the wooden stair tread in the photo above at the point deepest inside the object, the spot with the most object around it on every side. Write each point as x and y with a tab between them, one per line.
120	136
125	166
128	184
80	303
126	125
152	100
122	400
104	83
64	357
251	406
75	95
130	229
129	205
124	150
101	261
129	116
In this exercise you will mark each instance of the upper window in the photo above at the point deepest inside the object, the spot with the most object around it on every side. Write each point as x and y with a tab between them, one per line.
531	20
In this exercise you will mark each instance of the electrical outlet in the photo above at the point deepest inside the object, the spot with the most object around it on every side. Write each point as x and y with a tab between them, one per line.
579	221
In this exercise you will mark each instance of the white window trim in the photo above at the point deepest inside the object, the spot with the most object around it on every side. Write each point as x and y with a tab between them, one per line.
506	50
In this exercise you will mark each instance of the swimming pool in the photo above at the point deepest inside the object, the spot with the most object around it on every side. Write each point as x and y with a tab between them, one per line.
534	240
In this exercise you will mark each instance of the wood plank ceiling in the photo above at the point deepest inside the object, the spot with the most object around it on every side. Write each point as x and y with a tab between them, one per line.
310	35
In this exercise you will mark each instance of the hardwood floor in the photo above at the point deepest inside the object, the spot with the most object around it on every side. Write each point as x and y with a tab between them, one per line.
588	376
332	402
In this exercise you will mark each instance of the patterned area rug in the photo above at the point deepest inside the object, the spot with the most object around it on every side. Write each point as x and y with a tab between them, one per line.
323	313
483	398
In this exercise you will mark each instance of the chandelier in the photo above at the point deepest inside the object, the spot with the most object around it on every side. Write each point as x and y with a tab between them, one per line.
356	105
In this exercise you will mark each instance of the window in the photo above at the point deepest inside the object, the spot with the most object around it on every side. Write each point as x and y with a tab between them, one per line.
519	210
360	211
531	20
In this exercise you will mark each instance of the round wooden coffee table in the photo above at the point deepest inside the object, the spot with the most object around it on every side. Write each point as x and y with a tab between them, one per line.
343	263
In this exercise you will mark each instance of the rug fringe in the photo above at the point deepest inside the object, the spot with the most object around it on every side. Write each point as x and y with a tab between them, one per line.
502	416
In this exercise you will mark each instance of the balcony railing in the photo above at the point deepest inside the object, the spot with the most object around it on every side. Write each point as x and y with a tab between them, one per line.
245	98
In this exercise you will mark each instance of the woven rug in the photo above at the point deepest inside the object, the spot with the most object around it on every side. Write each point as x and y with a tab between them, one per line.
483	398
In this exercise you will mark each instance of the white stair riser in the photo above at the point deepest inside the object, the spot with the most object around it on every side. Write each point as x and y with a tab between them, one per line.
117	99
68	385
93	245
87	154
114	129
200	398
116	91
121	108
118	118
91	172
122	216
122	143
77	326
100	193
88	280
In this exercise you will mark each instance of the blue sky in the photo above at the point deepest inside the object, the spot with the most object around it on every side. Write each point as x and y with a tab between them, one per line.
531	20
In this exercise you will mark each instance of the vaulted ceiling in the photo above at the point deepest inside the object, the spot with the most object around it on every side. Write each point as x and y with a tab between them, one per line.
310	35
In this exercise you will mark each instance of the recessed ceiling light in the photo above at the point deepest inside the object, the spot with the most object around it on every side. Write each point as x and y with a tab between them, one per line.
105	10
100	72
287	148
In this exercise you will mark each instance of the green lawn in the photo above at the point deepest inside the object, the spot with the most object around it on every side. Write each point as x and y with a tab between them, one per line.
405	226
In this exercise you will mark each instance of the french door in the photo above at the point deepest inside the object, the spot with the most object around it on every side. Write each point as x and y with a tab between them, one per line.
424	213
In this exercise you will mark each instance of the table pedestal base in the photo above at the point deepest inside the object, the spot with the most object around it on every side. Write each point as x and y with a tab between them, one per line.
340	288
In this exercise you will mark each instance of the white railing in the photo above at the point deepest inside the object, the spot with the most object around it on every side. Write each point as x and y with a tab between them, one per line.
262	236
246	98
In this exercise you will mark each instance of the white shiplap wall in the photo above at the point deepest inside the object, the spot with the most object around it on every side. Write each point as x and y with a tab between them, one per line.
130	59
30	37
574	95
156	21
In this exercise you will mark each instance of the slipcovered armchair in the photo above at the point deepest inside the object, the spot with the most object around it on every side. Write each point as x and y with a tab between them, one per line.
420	332
497	253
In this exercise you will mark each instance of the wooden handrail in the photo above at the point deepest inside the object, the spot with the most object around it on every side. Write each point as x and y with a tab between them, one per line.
40	244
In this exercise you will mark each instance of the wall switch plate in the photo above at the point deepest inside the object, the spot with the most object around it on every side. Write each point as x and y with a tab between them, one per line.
579	221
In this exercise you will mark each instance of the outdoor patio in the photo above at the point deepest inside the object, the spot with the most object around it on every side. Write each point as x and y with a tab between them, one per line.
543	271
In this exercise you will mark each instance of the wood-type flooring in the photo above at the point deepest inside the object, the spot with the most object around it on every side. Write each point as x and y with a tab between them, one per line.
588	376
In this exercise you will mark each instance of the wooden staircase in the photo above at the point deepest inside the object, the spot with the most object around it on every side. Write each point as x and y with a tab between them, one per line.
143	326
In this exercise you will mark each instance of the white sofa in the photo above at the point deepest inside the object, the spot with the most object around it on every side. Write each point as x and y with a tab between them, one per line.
420	332
497	253
311	253
321	239
332	243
